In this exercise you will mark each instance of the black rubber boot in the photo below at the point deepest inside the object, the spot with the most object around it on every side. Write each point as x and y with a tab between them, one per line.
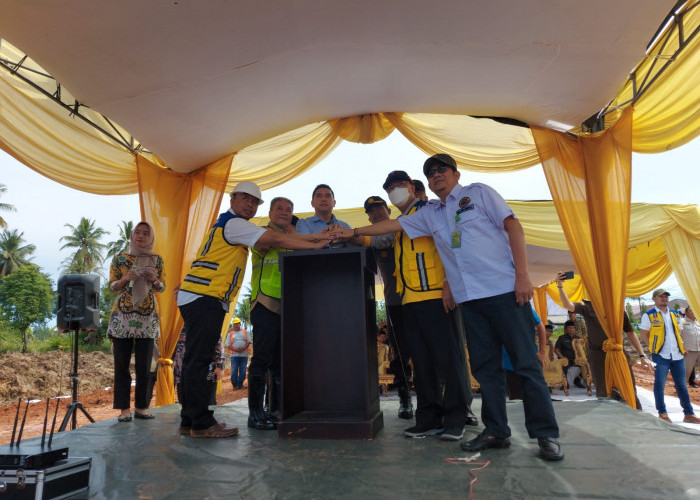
405	404
256	416
275	399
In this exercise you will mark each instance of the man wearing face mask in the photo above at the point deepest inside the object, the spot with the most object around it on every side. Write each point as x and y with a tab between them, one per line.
438	356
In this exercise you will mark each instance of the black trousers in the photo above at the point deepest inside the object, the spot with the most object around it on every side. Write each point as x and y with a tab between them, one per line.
204	319
267	345
436	361
397	337
493	323
143	351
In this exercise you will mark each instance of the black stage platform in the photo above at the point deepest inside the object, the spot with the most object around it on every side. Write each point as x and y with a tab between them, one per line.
612	452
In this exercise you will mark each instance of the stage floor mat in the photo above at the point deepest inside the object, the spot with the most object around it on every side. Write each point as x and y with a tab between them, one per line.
612	452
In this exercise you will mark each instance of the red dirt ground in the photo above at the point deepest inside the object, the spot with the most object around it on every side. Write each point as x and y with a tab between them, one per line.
38	375
33	375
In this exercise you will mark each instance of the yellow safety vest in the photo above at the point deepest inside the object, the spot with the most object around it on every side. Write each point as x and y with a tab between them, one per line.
419	272
219	267
657	330
266	277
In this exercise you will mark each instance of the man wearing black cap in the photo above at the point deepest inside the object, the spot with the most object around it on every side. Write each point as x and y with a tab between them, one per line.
660	330
377	211
482	246
438	356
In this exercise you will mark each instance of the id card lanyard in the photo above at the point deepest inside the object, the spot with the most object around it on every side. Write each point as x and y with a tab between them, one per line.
456	235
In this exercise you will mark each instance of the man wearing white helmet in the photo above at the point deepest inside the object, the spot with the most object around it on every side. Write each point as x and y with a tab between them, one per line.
211	284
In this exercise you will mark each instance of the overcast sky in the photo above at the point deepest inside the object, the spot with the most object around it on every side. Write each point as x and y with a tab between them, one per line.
353	171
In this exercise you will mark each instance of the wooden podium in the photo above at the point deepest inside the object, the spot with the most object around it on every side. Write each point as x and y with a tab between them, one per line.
329	345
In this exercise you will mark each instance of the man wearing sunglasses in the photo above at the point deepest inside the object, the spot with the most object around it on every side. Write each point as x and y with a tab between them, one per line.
482	246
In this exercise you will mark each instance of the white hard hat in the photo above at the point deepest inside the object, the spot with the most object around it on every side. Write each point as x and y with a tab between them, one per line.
250	188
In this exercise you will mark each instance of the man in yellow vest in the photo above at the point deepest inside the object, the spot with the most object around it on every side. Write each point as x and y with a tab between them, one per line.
660	330
211	284
265	296
438	356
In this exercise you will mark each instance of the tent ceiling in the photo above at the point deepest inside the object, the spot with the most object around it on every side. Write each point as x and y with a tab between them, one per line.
196	80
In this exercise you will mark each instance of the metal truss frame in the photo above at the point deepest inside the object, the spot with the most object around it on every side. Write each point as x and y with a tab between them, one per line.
39	80
663	56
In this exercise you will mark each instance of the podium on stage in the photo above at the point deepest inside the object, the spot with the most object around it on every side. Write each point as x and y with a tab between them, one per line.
330	385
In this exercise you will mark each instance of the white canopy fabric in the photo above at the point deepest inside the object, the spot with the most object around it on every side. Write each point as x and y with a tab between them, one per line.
195	81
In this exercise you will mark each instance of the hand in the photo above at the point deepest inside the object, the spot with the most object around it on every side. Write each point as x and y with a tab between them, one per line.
541	356
448	302
218	372
149	275
131	275
560	279
523	289
340	233
646	363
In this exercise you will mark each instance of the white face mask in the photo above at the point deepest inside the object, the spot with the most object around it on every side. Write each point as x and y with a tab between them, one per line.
399	196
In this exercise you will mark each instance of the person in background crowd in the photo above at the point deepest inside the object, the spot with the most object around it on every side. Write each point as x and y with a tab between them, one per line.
690	333
238	345
660	330
420	190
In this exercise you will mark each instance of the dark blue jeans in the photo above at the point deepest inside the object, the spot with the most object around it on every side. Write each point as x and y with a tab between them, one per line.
677	369
238	366
492	323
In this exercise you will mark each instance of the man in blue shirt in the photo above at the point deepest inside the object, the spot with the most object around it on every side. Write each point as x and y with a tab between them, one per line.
323	202
482	247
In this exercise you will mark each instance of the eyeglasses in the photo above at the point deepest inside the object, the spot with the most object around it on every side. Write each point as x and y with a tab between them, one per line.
437	170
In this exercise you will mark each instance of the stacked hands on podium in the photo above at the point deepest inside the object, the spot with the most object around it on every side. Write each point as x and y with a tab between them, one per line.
337	233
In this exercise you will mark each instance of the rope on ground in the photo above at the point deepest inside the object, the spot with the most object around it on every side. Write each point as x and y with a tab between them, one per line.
470	460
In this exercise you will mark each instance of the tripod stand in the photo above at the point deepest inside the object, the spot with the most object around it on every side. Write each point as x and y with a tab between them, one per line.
75	405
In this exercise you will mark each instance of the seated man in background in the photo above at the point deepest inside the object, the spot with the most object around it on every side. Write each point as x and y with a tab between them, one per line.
565	349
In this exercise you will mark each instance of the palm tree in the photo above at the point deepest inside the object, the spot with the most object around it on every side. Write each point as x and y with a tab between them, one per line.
85	238
13	252
122	244
5	207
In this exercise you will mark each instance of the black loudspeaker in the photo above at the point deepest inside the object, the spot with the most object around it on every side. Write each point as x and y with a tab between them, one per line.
78	302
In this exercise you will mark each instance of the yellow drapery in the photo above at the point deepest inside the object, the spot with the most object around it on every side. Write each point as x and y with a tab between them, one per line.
590	181
181	207
539	297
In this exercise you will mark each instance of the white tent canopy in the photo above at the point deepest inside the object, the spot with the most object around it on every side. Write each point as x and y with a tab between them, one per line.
195	81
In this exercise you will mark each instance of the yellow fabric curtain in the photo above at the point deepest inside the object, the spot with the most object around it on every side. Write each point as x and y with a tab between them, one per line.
181	208
590	181
539	297
684	253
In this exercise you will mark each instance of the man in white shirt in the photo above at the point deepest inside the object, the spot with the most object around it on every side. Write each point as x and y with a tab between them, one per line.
660	329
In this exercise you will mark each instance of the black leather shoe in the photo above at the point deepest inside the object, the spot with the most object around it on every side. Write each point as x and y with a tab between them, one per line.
471	419
262	423
483	442
550	449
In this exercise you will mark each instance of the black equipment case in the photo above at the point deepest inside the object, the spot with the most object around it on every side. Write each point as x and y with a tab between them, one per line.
66	479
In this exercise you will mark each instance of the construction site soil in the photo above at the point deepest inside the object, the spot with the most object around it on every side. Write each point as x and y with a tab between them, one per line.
36	376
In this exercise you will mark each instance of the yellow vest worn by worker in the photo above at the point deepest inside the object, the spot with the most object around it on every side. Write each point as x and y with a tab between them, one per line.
657	330
419	271
266	278
218	269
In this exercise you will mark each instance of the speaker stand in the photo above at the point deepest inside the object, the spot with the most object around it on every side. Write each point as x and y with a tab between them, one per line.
75	405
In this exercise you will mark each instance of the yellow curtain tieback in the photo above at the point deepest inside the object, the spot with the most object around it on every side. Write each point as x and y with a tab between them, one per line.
165	361
610	345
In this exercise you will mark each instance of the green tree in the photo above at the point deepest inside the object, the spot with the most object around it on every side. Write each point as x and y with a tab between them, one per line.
121	244
107	298
630	312
381	311
26	298
5	207
243	307
13	252
85	239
